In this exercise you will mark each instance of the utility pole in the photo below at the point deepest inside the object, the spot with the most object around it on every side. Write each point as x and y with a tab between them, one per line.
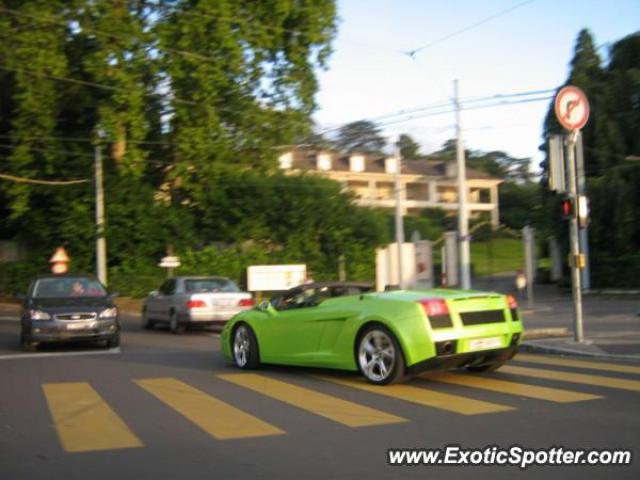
399	219
101	241
463	220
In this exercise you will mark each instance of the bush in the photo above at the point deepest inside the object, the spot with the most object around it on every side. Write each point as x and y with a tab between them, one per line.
615	272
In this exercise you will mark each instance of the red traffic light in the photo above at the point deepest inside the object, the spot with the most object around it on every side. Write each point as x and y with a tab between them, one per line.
567	208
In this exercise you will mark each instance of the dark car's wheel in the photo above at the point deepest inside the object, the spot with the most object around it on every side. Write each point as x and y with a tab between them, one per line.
379	356
26	343
114	341
245	347
486	367
174	325
147	323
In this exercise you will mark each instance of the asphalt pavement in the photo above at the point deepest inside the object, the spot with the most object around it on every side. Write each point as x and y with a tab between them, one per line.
166	406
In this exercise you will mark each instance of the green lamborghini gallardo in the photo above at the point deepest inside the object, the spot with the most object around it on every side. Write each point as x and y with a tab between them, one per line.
383	335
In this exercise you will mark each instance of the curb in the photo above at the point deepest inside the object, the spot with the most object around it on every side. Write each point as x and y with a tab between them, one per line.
536	333
536	348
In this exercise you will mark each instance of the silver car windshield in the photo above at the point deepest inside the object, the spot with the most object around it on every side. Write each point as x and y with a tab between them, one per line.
68	287
202	285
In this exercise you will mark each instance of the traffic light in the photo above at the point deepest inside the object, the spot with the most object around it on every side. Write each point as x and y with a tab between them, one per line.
567	208
583	211
578	207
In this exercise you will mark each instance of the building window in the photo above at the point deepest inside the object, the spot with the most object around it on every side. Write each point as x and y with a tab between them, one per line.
391	165
356	163
285	161
324	161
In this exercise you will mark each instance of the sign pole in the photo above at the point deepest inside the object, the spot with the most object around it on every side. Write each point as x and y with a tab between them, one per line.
575	242
572	111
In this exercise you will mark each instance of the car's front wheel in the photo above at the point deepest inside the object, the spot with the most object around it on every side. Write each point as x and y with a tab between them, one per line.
147	323
245	347
379	356
26	343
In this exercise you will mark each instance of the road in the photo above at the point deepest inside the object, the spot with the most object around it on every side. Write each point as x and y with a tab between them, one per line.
169	406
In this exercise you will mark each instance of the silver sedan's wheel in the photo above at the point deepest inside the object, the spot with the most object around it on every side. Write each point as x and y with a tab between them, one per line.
245	347
379	356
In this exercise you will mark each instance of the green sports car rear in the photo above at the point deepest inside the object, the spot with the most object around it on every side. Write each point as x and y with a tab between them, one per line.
383	335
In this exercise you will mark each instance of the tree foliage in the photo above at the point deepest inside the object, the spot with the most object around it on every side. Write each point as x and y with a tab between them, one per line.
610	138
177	94
361	136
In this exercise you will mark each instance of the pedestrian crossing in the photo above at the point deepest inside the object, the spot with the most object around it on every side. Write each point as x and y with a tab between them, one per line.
84	421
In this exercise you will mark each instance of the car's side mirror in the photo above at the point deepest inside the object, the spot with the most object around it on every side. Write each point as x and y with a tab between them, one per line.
153	293
114	294
266	307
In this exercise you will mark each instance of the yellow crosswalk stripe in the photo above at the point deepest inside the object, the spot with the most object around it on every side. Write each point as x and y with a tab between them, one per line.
596	380
567	362
217	418
511	388
84	421
336	409
424	396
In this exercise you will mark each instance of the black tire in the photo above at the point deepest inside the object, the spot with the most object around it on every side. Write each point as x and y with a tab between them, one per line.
379	356
486	367
114	341
244	347
26	343
174	325
147	323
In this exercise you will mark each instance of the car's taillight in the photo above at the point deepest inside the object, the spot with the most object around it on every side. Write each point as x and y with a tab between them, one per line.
434	307
196	304
246	302
512	302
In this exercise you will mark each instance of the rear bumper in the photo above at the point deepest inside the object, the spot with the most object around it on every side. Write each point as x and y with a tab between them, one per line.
207	317
448	362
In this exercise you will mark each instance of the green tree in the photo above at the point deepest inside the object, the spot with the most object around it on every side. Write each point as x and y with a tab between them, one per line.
361	136
409	148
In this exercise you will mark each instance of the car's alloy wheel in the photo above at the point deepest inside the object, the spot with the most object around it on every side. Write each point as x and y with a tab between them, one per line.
245	347
379	356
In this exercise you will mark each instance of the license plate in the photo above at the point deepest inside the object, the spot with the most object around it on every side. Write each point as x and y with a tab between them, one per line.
485	343
80	326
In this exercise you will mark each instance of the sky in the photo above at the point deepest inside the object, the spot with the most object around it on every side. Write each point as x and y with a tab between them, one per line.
525	49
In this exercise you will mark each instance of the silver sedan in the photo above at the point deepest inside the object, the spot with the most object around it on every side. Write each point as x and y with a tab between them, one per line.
194	301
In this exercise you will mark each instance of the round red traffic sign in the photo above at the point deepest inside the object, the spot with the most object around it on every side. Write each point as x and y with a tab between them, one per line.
572	108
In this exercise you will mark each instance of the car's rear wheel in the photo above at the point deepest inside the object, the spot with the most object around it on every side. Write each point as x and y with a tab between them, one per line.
379	356
245	347
486	367
174	325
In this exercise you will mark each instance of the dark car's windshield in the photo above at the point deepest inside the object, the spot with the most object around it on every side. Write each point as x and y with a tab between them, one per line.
210	285
67	287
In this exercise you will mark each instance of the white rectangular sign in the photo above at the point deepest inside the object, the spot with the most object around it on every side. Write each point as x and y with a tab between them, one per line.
265	278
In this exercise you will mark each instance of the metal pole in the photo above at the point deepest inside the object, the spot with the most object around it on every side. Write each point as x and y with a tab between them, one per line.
399	219
575	244
101	242
584	232
463	221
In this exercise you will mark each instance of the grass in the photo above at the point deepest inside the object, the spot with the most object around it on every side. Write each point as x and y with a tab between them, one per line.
501	255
